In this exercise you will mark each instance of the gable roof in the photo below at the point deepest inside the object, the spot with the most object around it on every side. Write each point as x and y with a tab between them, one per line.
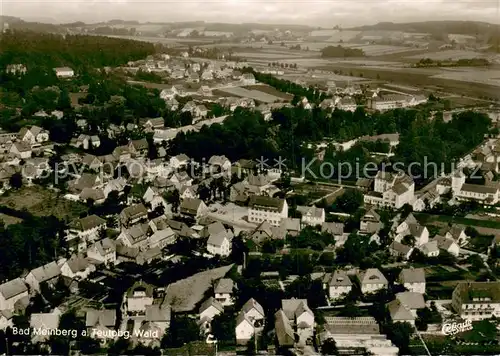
134	211
158	313
46	272
106	317
372	276
294	307
399	312
12	288
78	263
412	275
339	278
411	300
263	202
253	304
224	285
332	228
311	211
211	302
283	328
141	286
87	223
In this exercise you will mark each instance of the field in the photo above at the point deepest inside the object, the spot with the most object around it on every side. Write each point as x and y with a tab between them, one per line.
482	76
257	95
269	90
449	55
9	220
42	202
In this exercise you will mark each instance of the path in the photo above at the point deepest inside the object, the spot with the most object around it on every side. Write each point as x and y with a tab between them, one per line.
326	196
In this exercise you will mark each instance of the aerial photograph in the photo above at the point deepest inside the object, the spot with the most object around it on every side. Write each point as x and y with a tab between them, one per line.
250	177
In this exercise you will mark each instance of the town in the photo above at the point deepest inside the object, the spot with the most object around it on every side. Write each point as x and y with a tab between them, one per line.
187	201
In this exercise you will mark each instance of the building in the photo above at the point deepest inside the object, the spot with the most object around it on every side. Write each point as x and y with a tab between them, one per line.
220	243
84	230
413	279
48	273
247	79
370	223
268	209
209	309
77	267
133	214
101	323
138	298
388	102
311	215
477	300
391	190
338	285
224	290
483	194
103	251
64	72
193	208
300	316
284	331
399	313
447	244
179	161
11	292
372	280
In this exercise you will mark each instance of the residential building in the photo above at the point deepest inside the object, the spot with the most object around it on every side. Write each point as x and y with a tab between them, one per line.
220	243
21	150
136	236
244	330
103	251
138	298
138	148
411	301
400	250
413	279
347	104
48	273
458	234
483	194
194	208
410	226
224	290
77	267
477	300
372	280
263	208
370	222
101	323
447	244
209	309
179	161
399	313
338	285
391	190
11	292
33	135
311	215
44	321
285	335
84	230
430	249
133	214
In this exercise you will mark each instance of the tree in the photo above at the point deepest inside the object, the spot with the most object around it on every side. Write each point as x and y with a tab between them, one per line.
182	330
329	347
348	202
174	198
400	334
16	180
350	310
408	240
119	347
223	327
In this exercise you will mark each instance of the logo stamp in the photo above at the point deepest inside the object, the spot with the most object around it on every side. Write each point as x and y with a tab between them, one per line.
456	328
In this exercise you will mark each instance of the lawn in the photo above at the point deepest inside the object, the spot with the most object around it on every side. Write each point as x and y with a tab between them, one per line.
429	219
42	202
269	90
9	220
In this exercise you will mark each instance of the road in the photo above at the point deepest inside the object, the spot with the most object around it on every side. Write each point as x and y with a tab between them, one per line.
327	196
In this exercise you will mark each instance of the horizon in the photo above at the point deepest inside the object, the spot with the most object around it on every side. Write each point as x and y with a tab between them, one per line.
320	13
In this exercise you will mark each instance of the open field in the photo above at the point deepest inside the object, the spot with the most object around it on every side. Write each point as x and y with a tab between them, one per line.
269	90
449	55
257	95
273	55
429	219
474	75
9	220
42	202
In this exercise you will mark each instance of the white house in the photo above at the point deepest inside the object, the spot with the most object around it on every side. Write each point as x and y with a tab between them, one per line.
372	280
430	249
179	161
48	273
77	267
244	330
138	298
100	323
220	243
85	230
103	251
399	313
447	244
247	79
64	72
193	208
298	312
210	309
458	234
224	290
11	292
262	208
413	279
410	226
311	215
21	149
219	164
338	285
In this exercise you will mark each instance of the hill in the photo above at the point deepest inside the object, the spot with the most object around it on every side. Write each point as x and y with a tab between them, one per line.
472	28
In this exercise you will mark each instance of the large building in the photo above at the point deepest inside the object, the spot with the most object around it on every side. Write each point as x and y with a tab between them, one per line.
391	190
477	300
272	210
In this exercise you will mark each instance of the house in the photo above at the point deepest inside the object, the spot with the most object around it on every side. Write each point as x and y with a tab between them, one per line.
64	72
338	285
44	322
483	194
136	236
100	324
244	330
11	292
21	149
205	90
33	135
391	190
133	214
300	315
224	290
158	317
347	104
476	300
370	222
219	164
85	229
153	124
332	228
430	249
247	79
411	301
138	298
285	335
372	280
179	161
48	273
311	215
220	243
399	313
138	148
103	251
77	267
6	320
458	234
207	75
410	226
162	238
263	208
193	208
209	309
188	192
254	312
447	244
17	69
400	250
413	279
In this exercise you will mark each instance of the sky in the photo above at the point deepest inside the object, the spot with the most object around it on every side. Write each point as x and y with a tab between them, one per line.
325	13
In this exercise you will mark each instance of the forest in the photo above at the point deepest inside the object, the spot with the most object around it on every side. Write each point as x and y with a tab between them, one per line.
76	51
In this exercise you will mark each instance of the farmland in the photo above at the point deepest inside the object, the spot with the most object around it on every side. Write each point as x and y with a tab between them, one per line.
269	90
449	55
